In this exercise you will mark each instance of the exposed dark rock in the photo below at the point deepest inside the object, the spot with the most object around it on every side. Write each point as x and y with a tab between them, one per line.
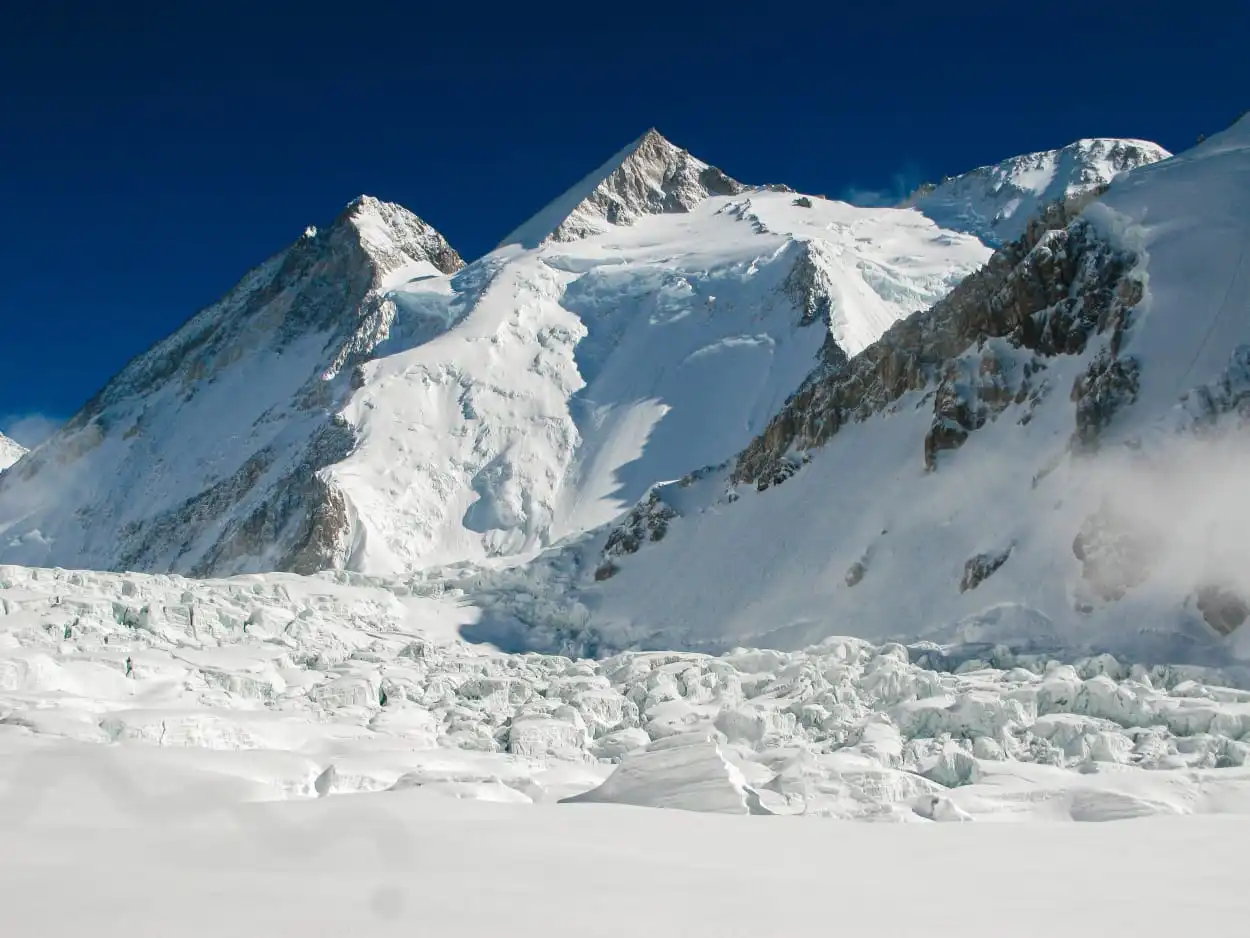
809	286
783	470
1108	386
802	202
1045	293
298	523
646	521
945	434
980	568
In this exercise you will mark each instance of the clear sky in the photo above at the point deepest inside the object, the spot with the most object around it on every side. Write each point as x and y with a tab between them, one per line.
150	153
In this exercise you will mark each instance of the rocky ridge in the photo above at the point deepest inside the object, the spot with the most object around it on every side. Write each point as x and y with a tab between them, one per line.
649	177
981	348
271	362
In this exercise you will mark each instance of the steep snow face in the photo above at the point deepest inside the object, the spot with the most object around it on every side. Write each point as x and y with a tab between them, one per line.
650	176
201	455
579	373
1054	456
996	202
10	451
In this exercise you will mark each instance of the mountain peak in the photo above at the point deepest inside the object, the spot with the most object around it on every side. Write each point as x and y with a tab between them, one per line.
393	236
10	452
651	176
995	202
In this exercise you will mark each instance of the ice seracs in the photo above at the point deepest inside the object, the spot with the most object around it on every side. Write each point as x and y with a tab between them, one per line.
316	687
996	202
685	772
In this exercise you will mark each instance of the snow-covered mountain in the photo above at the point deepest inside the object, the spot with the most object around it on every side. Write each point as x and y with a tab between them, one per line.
360	402
1053	455
996	202
10	451
203	452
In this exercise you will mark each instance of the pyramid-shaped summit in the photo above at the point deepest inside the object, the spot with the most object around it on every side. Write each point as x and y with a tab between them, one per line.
393	237
651	176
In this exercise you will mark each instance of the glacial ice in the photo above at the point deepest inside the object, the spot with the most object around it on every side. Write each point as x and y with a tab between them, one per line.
353	685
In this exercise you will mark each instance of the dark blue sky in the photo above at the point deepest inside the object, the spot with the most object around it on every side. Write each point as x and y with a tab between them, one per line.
150	153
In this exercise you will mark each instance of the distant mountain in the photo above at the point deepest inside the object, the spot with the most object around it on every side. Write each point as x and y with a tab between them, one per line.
360	401
996	202
10	451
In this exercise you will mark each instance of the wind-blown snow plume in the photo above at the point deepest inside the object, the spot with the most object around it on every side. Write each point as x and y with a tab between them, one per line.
996	202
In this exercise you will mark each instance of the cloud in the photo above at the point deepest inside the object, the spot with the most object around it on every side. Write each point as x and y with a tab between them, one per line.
902	183
29	429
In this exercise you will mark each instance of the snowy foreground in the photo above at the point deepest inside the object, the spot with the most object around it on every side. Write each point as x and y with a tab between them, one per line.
206	777
409	863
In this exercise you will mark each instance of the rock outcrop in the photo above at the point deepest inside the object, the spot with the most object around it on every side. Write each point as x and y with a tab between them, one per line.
984	347
980	568
649	177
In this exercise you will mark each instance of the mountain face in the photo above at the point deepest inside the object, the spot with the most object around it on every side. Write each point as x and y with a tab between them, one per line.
10	451
1052	456
360	402
996	202
578	373
651	176
203	453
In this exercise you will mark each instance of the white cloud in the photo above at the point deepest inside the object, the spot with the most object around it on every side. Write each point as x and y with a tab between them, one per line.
29	429
902	184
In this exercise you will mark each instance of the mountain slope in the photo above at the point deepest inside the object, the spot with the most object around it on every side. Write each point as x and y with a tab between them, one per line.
10	451
202	453
1052	455
578	374
996	202
350	405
